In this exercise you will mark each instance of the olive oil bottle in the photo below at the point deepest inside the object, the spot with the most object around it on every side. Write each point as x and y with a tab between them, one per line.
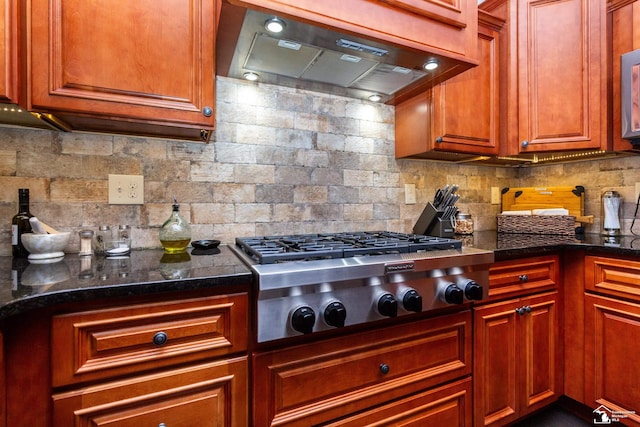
175	233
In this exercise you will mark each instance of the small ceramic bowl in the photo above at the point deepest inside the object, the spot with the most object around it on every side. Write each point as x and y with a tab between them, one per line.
205	244
45	247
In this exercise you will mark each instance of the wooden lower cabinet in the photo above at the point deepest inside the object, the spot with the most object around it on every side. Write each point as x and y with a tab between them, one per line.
612	365
174	362
396	368
207	395
517	358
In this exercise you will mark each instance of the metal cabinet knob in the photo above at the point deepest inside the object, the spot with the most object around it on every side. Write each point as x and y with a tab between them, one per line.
384	368
523	278
160	338
525	143
207	111
439	140
525	309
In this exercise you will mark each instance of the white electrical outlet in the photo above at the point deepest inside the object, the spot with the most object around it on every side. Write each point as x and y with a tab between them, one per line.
126	189
637	192
495	196
410	194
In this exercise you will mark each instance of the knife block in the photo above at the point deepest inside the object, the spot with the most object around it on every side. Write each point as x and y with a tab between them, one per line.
430	223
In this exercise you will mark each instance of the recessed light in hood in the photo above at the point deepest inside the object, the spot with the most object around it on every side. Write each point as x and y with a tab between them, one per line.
321	59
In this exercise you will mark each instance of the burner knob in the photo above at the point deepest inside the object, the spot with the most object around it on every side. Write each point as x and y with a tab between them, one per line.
303	319
412	301
473	291
335	314
453	294
387	305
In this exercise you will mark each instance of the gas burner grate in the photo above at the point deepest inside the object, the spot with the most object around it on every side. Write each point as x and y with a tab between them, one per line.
304	247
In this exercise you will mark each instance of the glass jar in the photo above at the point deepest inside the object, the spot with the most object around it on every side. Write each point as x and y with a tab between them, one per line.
86	242
464	223
102	236
175	233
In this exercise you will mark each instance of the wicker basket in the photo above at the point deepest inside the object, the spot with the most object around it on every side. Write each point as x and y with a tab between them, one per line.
537	224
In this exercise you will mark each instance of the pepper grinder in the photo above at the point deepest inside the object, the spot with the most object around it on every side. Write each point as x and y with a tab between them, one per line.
611	202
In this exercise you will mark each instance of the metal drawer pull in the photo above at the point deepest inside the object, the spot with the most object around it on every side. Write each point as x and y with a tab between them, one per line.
523	310
160	338
162	425
523	278
384	368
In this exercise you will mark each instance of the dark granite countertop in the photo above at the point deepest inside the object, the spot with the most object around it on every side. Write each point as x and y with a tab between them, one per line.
506	246
25	286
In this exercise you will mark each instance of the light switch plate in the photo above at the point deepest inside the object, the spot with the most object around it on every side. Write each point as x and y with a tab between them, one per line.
410	194
126	189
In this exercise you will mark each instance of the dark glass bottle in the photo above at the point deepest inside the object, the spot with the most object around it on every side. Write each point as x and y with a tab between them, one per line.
20	224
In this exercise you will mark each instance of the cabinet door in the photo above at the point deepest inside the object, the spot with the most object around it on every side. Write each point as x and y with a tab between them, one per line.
460	115
466	110
561	75
207	395
496	343
541	352
108	63
8	51
612	367
518	358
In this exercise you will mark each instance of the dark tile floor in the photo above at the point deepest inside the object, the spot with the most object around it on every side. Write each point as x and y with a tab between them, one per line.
553	417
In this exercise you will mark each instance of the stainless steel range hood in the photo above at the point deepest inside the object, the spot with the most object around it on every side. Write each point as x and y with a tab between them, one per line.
321	59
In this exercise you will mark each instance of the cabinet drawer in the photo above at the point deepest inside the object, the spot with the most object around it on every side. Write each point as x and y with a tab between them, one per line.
103	343
311	384
523	276
611	276
207	395
449	405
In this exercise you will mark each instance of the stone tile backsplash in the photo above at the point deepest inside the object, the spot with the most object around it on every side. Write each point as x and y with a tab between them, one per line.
281	161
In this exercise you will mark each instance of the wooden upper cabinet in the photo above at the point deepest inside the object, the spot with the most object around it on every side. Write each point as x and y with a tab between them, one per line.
9	51
460	115
142	67
447	27
624	33
554	59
